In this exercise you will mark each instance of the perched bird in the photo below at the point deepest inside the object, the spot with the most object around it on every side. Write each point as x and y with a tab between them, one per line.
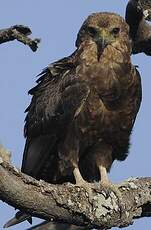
83	107
137	12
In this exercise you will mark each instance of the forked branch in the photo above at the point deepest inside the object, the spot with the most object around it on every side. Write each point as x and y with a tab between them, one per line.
19	33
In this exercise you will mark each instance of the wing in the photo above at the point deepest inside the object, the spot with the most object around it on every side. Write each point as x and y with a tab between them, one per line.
58	97
140	30
143	46
133	17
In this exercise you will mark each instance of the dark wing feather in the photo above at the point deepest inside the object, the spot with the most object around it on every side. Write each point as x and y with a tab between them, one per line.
57	99
143	46
140	30
133	17
36	154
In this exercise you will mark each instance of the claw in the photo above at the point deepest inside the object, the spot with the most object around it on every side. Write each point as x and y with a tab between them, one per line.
19	217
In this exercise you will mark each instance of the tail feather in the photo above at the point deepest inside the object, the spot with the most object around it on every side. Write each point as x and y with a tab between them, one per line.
19	217
36	153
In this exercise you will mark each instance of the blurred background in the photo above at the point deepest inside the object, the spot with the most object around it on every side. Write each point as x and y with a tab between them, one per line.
57	23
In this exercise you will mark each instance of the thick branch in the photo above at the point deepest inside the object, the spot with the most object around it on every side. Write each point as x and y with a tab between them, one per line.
74	205
20	33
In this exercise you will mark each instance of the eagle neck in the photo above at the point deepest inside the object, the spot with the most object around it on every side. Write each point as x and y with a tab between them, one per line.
117	53
87	53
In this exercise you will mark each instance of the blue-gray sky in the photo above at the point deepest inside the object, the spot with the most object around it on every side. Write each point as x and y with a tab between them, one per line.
57	22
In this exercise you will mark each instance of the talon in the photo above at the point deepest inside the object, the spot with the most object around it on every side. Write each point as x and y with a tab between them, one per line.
109	187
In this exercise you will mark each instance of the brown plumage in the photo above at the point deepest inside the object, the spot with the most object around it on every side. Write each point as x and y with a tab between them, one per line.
84	107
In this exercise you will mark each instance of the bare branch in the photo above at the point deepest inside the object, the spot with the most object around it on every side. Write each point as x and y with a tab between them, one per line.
20	33
68	203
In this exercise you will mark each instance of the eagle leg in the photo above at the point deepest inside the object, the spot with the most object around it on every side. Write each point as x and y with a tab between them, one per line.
104	181
80	182
78	177
103	174
104	160
109	187
70	152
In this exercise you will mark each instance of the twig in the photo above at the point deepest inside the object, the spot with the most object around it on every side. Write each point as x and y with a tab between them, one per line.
20	33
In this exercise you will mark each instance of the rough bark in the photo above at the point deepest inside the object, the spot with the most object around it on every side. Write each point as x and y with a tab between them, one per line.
67	203
19	33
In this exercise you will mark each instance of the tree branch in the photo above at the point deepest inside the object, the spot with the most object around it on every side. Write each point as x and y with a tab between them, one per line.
68	203
20	33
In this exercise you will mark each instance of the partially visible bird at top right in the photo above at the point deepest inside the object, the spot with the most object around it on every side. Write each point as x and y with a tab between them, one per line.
137	14
146	5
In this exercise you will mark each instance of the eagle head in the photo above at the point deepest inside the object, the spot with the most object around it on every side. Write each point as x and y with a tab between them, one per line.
104	29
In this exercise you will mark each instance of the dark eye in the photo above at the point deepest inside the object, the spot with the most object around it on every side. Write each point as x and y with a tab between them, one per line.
92	30
115	30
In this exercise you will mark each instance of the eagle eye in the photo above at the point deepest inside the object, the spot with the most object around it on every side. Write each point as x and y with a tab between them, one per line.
115	30
92	30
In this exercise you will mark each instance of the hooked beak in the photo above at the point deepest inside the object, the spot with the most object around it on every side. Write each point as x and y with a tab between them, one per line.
102	40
